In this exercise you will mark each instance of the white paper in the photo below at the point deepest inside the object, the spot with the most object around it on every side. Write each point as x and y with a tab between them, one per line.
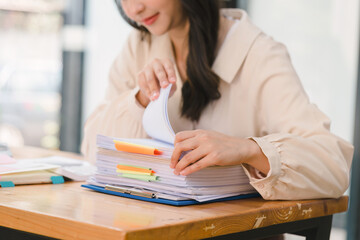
105	142
57	160
207	184
156	120
78	173
25	166
74	169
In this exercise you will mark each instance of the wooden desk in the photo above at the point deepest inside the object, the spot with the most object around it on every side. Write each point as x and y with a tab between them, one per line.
68	211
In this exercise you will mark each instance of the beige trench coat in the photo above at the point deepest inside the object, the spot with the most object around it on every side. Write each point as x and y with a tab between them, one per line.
261	98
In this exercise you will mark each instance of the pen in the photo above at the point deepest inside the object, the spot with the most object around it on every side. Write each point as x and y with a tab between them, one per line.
132	191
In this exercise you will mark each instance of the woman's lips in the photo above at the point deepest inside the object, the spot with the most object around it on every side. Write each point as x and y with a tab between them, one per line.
150	20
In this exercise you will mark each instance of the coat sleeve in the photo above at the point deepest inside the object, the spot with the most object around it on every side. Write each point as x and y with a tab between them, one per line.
306	159
119	114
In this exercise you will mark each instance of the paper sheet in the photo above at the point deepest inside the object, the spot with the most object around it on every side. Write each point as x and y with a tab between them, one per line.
6	159
156	120
25	166
74	169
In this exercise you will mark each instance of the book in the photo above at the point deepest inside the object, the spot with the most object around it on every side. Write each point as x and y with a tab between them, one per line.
19	172
136	167
42	170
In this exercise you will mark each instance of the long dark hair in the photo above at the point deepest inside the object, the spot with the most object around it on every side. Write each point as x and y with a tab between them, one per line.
202	84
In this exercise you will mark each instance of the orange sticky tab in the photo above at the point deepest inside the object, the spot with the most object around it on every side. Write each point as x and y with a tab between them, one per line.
136	148
133	169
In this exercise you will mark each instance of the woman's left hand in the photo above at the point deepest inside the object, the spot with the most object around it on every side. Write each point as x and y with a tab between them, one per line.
209	148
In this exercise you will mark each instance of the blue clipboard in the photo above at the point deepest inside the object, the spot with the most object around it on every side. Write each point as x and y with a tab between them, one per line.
166	201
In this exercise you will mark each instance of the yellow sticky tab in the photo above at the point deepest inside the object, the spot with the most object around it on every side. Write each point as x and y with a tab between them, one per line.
134	168
134	172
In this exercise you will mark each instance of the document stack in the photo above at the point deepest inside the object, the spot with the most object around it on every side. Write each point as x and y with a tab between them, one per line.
141	167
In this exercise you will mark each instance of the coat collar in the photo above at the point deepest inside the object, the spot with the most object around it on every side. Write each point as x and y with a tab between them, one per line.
236	46
233	51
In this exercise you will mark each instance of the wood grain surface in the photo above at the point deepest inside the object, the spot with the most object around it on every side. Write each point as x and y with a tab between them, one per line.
68	211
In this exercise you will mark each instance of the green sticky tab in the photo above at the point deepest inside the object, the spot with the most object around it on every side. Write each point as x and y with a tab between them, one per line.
57	179
141	177
7	184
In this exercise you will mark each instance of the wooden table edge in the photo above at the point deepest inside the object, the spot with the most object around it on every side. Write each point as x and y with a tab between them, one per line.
195	229
32	222
209	227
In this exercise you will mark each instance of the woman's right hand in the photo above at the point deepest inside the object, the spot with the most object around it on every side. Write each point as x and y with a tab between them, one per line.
158	73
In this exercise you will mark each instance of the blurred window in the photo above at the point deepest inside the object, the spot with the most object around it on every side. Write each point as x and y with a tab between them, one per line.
30	72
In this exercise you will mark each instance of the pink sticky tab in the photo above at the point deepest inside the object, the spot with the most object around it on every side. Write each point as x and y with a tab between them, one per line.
5	159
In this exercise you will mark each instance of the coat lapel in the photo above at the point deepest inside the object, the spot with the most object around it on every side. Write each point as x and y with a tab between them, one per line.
236	45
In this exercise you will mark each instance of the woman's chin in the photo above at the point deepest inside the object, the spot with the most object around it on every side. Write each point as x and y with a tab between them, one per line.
155	31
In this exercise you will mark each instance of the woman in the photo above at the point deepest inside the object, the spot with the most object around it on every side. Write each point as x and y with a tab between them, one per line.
234	83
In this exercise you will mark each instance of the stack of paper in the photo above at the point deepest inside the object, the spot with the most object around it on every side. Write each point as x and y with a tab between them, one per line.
141	166
118	168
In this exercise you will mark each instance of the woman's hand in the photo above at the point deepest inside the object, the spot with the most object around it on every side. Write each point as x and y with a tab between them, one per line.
158	73
208	148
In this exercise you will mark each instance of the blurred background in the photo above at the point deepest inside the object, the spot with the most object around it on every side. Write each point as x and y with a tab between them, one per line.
55	57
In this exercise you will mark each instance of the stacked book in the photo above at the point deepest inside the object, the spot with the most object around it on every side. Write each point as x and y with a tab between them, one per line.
141	167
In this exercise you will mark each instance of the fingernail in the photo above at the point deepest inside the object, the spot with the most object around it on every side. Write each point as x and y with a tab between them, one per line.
164	83
172	79
154	96
182	173
176	173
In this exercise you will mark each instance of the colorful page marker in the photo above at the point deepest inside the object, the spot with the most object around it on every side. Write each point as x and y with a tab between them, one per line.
134	169
127	165
140	177
7	184
134	172
136	148
57	179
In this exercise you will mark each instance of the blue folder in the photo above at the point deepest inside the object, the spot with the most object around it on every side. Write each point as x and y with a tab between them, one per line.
167	201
